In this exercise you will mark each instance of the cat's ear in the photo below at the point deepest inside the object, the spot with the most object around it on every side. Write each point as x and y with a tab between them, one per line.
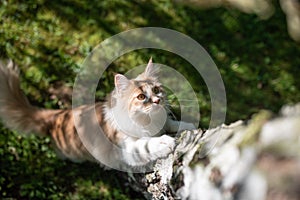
121	82
151	70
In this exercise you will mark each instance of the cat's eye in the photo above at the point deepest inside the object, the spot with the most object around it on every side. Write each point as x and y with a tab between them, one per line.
156	90
141	97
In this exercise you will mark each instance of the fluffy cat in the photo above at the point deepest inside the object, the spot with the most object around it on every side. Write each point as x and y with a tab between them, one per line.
133	118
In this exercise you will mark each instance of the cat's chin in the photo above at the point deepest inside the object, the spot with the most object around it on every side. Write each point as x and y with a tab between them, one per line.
156	108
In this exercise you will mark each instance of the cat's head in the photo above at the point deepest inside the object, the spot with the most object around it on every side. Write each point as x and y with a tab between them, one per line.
142	99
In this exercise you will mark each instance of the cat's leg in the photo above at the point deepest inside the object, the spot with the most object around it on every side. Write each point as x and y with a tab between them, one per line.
139	152
174	126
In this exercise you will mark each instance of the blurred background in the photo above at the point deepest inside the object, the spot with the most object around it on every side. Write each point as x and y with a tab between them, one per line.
254	43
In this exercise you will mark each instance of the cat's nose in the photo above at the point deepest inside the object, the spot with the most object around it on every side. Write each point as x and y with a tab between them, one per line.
156	100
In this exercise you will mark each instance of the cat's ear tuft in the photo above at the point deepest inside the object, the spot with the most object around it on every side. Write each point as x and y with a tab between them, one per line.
121	82
151	70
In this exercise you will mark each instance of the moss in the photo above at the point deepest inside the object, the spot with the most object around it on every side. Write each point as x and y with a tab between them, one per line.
252	131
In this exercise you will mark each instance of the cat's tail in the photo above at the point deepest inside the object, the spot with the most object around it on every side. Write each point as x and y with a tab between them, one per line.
15	110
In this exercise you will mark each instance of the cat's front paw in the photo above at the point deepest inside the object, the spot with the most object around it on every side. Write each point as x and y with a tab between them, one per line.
162	146
186	126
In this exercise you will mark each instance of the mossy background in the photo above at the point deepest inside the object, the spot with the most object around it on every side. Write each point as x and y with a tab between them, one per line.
258	61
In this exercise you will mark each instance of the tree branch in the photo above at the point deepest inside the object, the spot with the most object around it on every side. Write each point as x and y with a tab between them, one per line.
229	162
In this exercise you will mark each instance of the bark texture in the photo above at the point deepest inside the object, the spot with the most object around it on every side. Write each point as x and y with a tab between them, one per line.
258	159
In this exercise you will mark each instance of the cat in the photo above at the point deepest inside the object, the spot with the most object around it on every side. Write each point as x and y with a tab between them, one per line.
133	118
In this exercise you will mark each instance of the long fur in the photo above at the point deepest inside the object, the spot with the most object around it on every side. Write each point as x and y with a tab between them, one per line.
135	146
15	109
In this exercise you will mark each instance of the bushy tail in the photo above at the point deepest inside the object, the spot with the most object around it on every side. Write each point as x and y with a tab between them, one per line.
15	109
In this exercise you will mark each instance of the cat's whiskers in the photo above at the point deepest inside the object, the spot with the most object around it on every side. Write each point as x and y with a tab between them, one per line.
169	111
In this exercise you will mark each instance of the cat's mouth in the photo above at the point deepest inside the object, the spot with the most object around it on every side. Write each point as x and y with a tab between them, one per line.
156	107
153	110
